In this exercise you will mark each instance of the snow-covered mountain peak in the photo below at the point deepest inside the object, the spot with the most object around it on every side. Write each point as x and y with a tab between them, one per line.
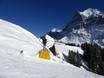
85	26
56	30
89	12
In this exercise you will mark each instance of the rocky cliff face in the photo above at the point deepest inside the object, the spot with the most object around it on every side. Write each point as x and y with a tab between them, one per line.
86	26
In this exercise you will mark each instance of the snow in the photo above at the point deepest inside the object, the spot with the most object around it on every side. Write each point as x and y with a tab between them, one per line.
62	48
89	12
85	26
65	39
13	64
77	37
14	36
56	30
50	41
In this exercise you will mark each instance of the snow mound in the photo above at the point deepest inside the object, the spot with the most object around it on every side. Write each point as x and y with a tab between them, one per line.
15	37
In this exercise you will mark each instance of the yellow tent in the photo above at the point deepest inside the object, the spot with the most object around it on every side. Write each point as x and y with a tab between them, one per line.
44	54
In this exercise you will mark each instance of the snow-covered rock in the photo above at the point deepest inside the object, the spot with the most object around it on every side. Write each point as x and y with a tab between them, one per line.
56	30
50	41
89	12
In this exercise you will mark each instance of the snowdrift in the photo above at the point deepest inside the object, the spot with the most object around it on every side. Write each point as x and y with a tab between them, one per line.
17	38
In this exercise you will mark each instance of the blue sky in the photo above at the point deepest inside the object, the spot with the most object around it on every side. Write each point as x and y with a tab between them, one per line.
40	16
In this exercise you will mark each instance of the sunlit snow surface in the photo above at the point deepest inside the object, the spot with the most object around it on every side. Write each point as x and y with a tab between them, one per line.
90	12
13	64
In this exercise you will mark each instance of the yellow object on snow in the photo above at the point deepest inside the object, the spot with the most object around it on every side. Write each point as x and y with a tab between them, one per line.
44	54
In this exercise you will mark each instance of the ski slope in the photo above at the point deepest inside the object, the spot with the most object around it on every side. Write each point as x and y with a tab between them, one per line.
13	64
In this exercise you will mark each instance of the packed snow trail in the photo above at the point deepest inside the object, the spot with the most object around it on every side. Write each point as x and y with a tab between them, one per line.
14	64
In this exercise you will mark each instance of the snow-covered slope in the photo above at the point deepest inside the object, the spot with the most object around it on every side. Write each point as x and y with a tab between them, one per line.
16	38
13	64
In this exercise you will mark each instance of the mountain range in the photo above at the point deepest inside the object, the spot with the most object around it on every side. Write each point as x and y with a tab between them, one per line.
86	26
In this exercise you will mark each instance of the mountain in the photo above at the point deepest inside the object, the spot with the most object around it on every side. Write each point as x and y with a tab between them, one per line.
18	56
55	33
86	26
